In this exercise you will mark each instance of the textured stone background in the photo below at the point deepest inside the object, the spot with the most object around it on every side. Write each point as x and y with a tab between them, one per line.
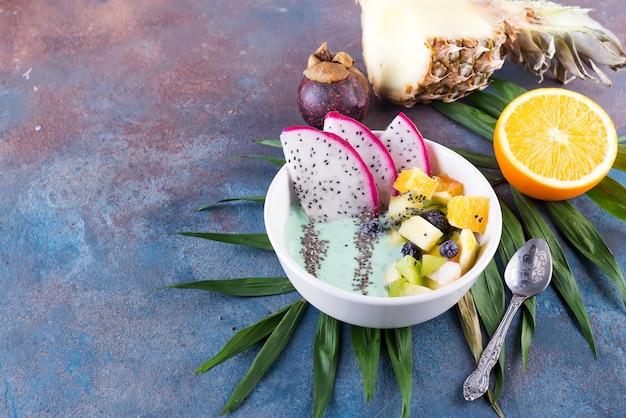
116	118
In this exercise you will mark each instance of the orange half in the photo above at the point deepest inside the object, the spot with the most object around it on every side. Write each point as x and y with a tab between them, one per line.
554	143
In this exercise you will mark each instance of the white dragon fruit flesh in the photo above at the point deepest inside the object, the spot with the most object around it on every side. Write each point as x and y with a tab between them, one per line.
406	144
371	150
329	178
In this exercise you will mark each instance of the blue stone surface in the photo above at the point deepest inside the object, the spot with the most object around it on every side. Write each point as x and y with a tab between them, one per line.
117	119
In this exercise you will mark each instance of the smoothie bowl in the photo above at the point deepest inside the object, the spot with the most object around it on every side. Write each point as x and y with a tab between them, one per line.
375	309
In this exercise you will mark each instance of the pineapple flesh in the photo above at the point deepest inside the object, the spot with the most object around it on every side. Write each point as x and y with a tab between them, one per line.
420	50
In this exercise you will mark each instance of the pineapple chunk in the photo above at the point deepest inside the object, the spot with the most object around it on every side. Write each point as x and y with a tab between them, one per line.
395	238
421	232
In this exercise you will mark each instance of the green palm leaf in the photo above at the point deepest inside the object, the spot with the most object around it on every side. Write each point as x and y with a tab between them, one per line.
245	338
249	286
468	116
399	343
260	199
252	240
271	350
584	236
562	277
366	345
325	361
610	196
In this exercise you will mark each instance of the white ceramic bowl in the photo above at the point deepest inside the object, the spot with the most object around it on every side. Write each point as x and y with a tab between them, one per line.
385	312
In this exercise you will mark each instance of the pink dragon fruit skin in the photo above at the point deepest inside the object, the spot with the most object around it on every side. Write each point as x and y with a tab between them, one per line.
406	144
329	178
370	148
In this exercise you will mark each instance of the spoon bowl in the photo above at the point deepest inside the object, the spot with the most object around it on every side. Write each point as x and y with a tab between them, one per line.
530	269
527	274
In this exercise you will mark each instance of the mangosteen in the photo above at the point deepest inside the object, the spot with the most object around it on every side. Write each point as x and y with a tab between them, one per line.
331	82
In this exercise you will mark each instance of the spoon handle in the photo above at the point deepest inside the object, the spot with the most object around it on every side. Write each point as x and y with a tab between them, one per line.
477	383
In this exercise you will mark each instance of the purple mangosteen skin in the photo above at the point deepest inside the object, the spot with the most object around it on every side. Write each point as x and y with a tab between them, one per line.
350	96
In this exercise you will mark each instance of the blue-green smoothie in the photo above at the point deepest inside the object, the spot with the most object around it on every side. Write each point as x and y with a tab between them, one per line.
339	254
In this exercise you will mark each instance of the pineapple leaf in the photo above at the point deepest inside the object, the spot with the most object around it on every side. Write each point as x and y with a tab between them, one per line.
584	236
474	119
244	287
271	350
252	240
245	338
399	342
260	199
366	344
507	89
274	160
562	277
610	195
325	361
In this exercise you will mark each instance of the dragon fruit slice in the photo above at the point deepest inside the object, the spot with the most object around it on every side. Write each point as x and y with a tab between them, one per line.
406	144
371	150
329	178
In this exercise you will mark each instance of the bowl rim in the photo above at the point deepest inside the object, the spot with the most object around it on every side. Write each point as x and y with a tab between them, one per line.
486	252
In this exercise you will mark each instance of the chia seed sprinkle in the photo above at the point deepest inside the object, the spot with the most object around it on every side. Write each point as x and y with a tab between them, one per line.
365	246
313	250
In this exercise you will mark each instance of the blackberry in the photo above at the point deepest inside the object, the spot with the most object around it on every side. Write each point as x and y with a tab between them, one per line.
438	219
411	249
449	249
371	227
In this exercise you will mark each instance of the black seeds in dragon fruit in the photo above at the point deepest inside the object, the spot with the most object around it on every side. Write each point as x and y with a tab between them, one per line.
329	178
370	148
406	144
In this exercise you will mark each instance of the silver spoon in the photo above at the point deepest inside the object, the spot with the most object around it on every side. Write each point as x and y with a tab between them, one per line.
527	274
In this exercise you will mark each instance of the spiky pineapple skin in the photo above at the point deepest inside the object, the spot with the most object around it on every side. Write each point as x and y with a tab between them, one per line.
525	30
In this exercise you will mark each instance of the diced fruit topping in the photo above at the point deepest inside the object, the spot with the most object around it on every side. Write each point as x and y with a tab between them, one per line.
421	232
449	249
404	206
438	219
411	249
430	263
345	170
416	180
468	247
447	273
404	288
371	227
471	212
446	188
409	268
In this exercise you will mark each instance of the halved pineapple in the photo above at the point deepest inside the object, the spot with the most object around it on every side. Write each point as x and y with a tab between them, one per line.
422	50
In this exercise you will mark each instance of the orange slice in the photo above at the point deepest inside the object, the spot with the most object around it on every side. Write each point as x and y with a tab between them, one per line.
469	212
554	144
416	180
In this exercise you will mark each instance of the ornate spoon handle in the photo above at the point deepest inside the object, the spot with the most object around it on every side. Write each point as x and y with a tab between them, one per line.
477	383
